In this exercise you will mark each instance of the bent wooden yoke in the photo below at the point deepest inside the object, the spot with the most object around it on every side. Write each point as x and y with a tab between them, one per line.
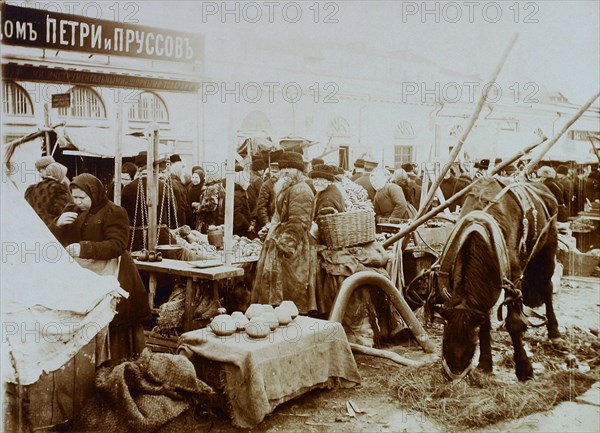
475	222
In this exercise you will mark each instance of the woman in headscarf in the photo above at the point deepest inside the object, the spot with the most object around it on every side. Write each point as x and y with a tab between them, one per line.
49	197
195	190
95	231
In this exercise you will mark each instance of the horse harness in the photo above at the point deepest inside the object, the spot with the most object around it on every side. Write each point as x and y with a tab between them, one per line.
486	225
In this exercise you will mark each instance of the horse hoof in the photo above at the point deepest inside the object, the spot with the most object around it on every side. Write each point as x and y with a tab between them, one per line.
525	373
558	343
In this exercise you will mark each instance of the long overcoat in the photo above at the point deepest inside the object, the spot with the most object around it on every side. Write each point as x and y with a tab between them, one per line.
287	266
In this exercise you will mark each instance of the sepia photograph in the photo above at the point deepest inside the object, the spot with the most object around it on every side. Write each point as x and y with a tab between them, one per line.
300	216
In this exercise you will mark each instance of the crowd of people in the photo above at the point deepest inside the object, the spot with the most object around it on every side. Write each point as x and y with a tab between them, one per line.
276	201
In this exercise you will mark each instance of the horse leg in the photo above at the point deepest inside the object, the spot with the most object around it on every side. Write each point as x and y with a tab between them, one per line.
516	327
538	279
485	347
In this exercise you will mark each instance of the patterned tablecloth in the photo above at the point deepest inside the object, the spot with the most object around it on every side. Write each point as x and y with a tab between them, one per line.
260	374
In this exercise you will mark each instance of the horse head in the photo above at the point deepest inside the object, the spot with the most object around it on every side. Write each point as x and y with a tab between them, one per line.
460	343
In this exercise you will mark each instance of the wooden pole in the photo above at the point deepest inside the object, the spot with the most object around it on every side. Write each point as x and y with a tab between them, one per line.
531	166
118	150
415	224
465	134
47	125
229	193
152	189
387	354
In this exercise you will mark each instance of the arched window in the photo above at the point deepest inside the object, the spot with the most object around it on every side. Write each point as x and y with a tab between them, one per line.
148	107
15	100
85	103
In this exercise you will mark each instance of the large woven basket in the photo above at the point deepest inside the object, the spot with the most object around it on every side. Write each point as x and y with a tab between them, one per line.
170	314
346	229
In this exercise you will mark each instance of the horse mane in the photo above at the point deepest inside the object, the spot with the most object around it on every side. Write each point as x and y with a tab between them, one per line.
477	274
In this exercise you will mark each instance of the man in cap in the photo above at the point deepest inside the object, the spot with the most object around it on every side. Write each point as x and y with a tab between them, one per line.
481	168
128	172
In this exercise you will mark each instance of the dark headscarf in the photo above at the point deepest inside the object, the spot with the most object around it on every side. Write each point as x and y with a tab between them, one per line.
93	187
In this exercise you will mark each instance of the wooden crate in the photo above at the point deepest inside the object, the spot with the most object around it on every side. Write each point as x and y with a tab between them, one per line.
578	264
213	374
161	343
56	398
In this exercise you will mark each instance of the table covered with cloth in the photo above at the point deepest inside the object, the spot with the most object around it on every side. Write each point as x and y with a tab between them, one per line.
262	373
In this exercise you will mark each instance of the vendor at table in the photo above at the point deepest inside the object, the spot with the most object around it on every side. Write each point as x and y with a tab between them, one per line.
95	233
287	266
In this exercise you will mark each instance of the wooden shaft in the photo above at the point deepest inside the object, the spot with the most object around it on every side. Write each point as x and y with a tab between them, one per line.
433	212
465	134
370	278
552	142
392	356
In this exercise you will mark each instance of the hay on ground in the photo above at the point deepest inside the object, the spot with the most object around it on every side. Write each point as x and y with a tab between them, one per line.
483	399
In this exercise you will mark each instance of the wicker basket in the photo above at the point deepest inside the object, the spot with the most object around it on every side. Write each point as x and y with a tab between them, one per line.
171	312
346	229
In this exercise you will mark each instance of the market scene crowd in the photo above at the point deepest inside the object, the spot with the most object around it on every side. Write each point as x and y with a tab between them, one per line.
276	205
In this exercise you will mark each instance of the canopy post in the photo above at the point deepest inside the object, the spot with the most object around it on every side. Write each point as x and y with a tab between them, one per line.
229	204
152	188
118	150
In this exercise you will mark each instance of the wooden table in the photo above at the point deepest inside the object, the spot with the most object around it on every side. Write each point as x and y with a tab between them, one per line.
191	273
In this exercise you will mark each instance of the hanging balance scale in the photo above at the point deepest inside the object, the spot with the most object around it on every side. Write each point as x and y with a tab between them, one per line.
155	253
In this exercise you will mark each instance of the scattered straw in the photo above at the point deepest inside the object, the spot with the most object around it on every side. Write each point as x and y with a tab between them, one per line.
482	399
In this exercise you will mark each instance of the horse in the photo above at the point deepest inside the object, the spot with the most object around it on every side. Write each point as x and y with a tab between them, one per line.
505	240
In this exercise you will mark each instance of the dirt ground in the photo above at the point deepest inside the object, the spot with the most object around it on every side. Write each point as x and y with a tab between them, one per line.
577	304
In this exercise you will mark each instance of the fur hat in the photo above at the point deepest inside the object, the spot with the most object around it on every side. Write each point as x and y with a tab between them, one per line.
174	158
43	162
323	171
258	164
196	168
317	161
291	160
